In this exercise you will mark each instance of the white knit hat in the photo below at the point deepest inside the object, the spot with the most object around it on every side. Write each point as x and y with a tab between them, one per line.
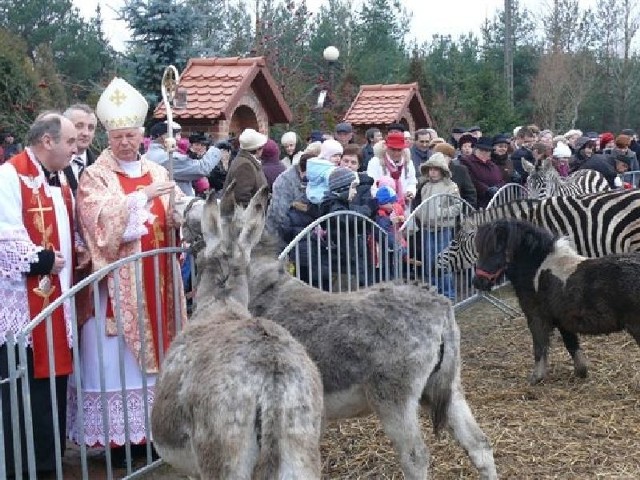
251	140
289	137
121	106
562	151
330	148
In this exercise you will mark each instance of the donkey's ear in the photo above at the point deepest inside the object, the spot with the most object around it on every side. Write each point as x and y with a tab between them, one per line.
254	218
228	202
211	223
528	166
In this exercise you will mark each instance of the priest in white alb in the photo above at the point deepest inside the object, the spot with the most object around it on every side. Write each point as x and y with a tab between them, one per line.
124	209
36	268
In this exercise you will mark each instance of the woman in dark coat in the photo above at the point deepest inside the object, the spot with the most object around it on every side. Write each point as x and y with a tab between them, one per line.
271	164
219	173
486	175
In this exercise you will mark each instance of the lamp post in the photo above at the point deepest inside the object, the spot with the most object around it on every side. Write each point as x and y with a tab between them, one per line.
330	54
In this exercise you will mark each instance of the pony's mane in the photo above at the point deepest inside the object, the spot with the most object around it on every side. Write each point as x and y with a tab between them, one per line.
516	234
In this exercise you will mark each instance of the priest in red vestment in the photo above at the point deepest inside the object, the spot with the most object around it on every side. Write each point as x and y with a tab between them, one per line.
36	267
123	209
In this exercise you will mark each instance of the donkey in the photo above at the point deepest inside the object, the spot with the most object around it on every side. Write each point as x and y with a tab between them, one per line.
386	349
237	396
557	288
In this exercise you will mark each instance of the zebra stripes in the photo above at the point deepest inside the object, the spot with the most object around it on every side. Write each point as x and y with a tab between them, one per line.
544	181
599	224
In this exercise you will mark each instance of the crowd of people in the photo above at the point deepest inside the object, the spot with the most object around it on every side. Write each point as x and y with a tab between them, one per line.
67	213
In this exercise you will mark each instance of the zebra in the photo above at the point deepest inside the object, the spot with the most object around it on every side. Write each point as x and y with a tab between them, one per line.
544	181
599	224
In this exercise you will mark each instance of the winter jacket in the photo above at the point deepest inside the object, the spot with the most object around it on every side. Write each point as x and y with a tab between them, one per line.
440	211
246	170
605	164
185	169
516	159
419	157
484	177
287	188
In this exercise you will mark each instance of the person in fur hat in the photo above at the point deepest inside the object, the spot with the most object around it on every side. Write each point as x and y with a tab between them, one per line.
436	216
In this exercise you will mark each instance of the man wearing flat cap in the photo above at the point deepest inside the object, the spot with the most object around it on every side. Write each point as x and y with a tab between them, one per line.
476	131
246	168
456	133
344	133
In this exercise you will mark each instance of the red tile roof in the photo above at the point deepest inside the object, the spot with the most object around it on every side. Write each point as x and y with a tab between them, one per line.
385	104
215	85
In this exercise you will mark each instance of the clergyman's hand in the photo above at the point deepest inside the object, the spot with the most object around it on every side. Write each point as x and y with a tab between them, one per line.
58	263
157	189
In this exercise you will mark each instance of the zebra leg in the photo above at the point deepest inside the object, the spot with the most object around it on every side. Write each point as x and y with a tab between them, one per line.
572	344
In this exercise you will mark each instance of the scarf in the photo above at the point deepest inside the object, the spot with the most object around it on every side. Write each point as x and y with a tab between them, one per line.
395	171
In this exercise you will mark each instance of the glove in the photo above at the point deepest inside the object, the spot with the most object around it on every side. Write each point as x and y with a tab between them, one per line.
491	191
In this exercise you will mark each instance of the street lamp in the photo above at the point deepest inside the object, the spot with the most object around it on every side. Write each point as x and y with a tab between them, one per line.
330	54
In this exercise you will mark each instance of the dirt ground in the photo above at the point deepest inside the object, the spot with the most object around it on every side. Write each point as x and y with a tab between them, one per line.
565	428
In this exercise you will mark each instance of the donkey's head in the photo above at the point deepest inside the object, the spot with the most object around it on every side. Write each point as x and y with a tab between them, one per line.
230	232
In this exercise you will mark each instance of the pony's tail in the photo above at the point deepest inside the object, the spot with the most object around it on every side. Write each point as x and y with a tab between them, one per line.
439	388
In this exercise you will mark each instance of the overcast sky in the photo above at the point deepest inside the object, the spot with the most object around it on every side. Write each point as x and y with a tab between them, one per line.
453	17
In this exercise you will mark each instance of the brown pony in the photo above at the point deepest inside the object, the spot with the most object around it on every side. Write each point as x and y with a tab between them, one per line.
557	288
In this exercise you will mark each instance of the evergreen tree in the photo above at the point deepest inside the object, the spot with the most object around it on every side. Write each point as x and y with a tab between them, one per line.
161	34
21	97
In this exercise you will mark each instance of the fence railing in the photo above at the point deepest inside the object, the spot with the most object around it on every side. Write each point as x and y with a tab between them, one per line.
20	429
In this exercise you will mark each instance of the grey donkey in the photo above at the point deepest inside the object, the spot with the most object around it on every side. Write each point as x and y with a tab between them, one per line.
237	396
387	349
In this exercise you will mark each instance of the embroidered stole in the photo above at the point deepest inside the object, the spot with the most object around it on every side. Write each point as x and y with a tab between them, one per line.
154	314
40	221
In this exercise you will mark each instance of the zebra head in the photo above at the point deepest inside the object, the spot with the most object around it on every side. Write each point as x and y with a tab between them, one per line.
543	179
461	253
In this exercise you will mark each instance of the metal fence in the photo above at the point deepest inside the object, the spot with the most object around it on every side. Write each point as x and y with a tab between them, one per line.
20	432
632	178
342	251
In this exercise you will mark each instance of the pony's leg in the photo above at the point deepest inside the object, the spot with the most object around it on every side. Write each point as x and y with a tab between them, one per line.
540	332
572	344
399	419
469	435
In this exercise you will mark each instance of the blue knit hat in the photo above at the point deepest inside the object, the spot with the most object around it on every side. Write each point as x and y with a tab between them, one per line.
386	195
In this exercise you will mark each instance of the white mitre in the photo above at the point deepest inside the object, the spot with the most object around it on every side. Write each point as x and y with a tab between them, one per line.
121	106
